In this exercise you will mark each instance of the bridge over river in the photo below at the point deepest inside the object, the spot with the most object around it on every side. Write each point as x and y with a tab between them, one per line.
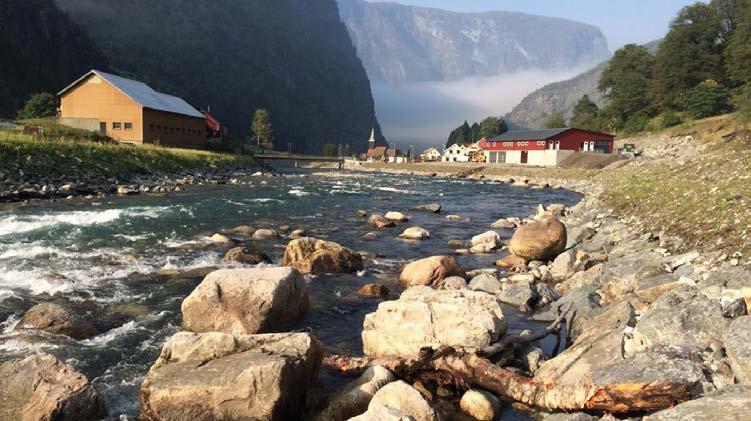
295	159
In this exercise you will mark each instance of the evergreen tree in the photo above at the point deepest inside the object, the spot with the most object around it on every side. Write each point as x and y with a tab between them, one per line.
625	82
39	106
707	99
744	107
263	133
691	53
474	133
586	115
738	50
330	150
555	121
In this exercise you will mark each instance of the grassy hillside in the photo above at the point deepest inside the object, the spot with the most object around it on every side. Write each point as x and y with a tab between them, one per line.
72	155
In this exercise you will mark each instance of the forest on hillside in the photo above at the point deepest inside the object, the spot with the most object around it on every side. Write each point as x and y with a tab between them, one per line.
42	50
702	68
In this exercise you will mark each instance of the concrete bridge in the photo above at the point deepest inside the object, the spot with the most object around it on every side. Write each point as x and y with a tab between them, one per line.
266	158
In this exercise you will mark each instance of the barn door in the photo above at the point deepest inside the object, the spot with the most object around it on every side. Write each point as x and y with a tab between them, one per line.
102	128
525	157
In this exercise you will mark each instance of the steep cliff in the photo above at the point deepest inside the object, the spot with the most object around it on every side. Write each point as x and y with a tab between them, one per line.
42	51
292	57
400	43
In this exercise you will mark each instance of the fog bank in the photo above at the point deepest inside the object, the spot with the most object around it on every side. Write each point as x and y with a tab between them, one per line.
423	114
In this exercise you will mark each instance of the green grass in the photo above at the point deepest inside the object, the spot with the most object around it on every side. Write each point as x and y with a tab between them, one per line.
54	130
70	157
493	170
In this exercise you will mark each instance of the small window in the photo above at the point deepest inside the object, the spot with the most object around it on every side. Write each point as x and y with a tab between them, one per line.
151	126
117	126
129	126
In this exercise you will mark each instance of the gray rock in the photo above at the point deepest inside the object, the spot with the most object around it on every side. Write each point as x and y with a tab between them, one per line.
246	256
737	340
219	376
452	282
731	403
682	317
485	282
576	416
405	398
433	207
520	294
529	356
563	265
582	304
223	300
40	387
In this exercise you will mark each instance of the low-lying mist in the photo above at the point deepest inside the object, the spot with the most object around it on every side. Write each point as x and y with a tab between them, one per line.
423	114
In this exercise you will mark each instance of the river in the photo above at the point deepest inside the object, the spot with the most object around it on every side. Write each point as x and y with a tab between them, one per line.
125	264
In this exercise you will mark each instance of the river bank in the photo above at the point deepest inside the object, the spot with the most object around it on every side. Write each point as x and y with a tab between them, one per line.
69	166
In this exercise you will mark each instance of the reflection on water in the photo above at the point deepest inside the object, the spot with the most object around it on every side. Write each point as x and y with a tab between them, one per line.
125	264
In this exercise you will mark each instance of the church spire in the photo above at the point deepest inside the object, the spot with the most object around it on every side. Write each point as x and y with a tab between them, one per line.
372	141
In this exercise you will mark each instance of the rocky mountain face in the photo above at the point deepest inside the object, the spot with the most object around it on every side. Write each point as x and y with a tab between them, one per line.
292	57
400	43
562	96
42	51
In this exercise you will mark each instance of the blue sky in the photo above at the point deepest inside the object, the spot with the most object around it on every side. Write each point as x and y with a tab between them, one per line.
622	21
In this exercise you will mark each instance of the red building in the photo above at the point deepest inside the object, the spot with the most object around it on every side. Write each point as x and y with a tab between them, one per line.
543	147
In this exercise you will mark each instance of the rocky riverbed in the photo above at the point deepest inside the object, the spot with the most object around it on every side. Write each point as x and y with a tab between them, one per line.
637	329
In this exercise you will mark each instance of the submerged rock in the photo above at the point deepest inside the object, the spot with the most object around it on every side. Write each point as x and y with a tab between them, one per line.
396	216
373	290
429	271
356	396
423	317
221	239
40	387
220	376
433	207
55	319
310	255
244	301
244	229
415	233
245	256
265	234
541	240
379	221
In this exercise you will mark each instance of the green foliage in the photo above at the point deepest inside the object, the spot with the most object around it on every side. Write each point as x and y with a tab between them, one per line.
40	105
744	106
738	51
625	82
707	99
42	50
263	133
636	124
492	127
669	118
691	53
460	135
330	150
555	121
586	115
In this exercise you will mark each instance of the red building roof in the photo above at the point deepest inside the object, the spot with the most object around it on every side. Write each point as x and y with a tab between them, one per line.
558	139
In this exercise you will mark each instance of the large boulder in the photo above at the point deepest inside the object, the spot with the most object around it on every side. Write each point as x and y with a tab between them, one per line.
310	255
424	317
737	339
405	398
731	403
217	376
40	387
396	216
489	237
245	301
485	282
540	240
55	319
682	317
429	271
265	234
245	256
356	396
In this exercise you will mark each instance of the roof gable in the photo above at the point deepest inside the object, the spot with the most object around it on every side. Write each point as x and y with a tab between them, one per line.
141	93
529	134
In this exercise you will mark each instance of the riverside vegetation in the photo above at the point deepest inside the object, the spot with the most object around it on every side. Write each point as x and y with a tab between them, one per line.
645	322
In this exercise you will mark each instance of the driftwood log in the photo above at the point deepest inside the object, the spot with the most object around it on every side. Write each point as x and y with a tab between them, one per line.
459	371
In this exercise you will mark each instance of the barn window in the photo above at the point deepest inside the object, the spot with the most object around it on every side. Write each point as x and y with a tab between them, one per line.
117	126
128	126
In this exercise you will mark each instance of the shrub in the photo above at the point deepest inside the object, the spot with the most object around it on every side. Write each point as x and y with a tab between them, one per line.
40	105
636	124
707	99
669	118
744	105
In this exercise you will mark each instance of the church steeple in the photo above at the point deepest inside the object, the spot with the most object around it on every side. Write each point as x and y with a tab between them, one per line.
372	141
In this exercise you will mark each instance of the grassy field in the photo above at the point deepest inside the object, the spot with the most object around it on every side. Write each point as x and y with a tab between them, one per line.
491	170
69	153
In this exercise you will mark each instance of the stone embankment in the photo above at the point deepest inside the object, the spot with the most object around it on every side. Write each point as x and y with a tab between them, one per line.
17	187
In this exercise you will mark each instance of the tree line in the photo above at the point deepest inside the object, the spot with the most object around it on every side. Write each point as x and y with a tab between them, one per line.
702	68
487	128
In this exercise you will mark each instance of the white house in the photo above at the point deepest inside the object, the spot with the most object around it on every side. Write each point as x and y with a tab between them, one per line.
430	155
460	153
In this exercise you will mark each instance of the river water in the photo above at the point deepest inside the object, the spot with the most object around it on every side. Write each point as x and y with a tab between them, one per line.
125	264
